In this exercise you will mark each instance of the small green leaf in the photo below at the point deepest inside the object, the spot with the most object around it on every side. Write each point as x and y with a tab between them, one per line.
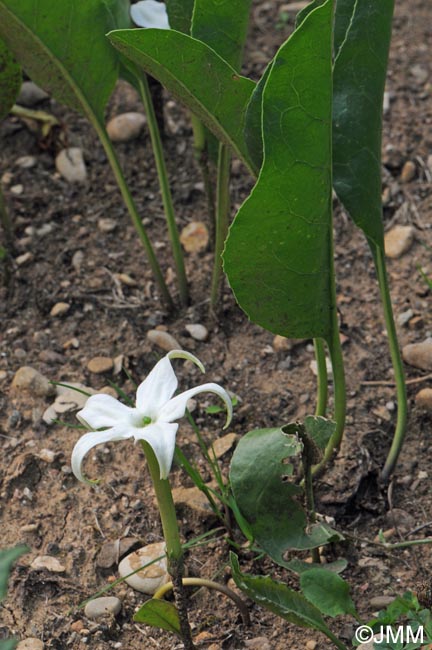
319	429
327	591
260	478
278	598
299	567
159	613
196	75
7	559
10	80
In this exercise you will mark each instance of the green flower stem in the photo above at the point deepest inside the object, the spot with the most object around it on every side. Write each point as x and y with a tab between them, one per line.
322	393
146	99
402	413
130	204
171	533
222	219
335	349
201	156
307	461
202	582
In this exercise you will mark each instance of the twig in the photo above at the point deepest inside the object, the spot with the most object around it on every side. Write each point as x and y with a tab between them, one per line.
409	382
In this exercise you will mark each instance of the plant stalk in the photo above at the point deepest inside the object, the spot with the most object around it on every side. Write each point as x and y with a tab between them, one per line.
202	158
147	101
202	582
322	389
171	533
402	412
307	461
130	204
222	219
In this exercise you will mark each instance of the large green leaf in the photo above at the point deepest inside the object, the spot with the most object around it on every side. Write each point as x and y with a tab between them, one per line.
7	559
278	254
159	613
278	598
359	79
223	26
271	504
62	46
8	644
180	14
196	75
327	591
10	80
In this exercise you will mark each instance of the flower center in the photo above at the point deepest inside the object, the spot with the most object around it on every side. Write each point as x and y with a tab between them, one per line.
145	421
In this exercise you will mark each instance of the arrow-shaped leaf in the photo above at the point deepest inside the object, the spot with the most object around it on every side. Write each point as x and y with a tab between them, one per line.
196	75
159	613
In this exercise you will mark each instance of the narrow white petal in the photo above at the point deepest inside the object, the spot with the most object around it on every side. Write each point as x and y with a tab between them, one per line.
176	407
90	440
157	388
161	438
103	411
149	13
183	354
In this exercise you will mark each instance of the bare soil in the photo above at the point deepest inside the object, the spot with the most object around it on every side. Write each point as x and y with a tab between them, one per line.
42	504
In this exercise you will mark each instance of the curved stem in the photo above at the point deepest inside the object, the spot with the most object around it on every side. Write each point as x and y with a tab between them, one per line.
146	99
222	218
402	413
322	390
130	204
202	582
174	550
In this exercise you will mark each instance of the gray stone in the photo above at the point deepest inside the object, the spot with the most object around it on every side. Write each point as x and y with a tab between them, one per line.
30	380
70	164
419	355
126	126
380	602
197	331
150	578
30	94
30	644
102	606
47	562
26	162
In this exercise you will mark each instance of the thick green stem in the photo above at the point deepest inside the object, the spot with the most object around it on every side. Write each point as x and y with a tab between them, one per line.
146	99
202	158
395	354
129	202
171	533
322	390
222	219
202	582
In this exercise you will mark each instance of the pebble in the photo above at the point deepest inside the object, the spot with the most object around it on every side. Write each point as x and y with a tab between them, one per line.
126	126
29	528
102	606
107	225
405	317
23	259
30	644
163	340
258	643
30	380
398	241
311	644
17	189
420	73
49	356
197	331
99	365
222	445
3	375
380	602
77	260
126	279
194	237
47	562
60	309
46	455
419	355
424	399
46	229
192	498
71	343
26	162
30	94
70	164
281	343
314	367
408	172
149	579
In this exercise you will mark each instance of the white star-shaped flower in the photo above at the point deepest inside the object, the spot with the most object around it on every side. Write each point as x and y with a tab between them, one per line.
151	420
149	13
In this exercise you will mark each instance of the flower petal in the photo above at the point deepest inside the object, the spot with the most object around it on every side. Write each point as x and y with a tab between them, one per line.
90	440
149	13
157	388
161	437
103	411
176	407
